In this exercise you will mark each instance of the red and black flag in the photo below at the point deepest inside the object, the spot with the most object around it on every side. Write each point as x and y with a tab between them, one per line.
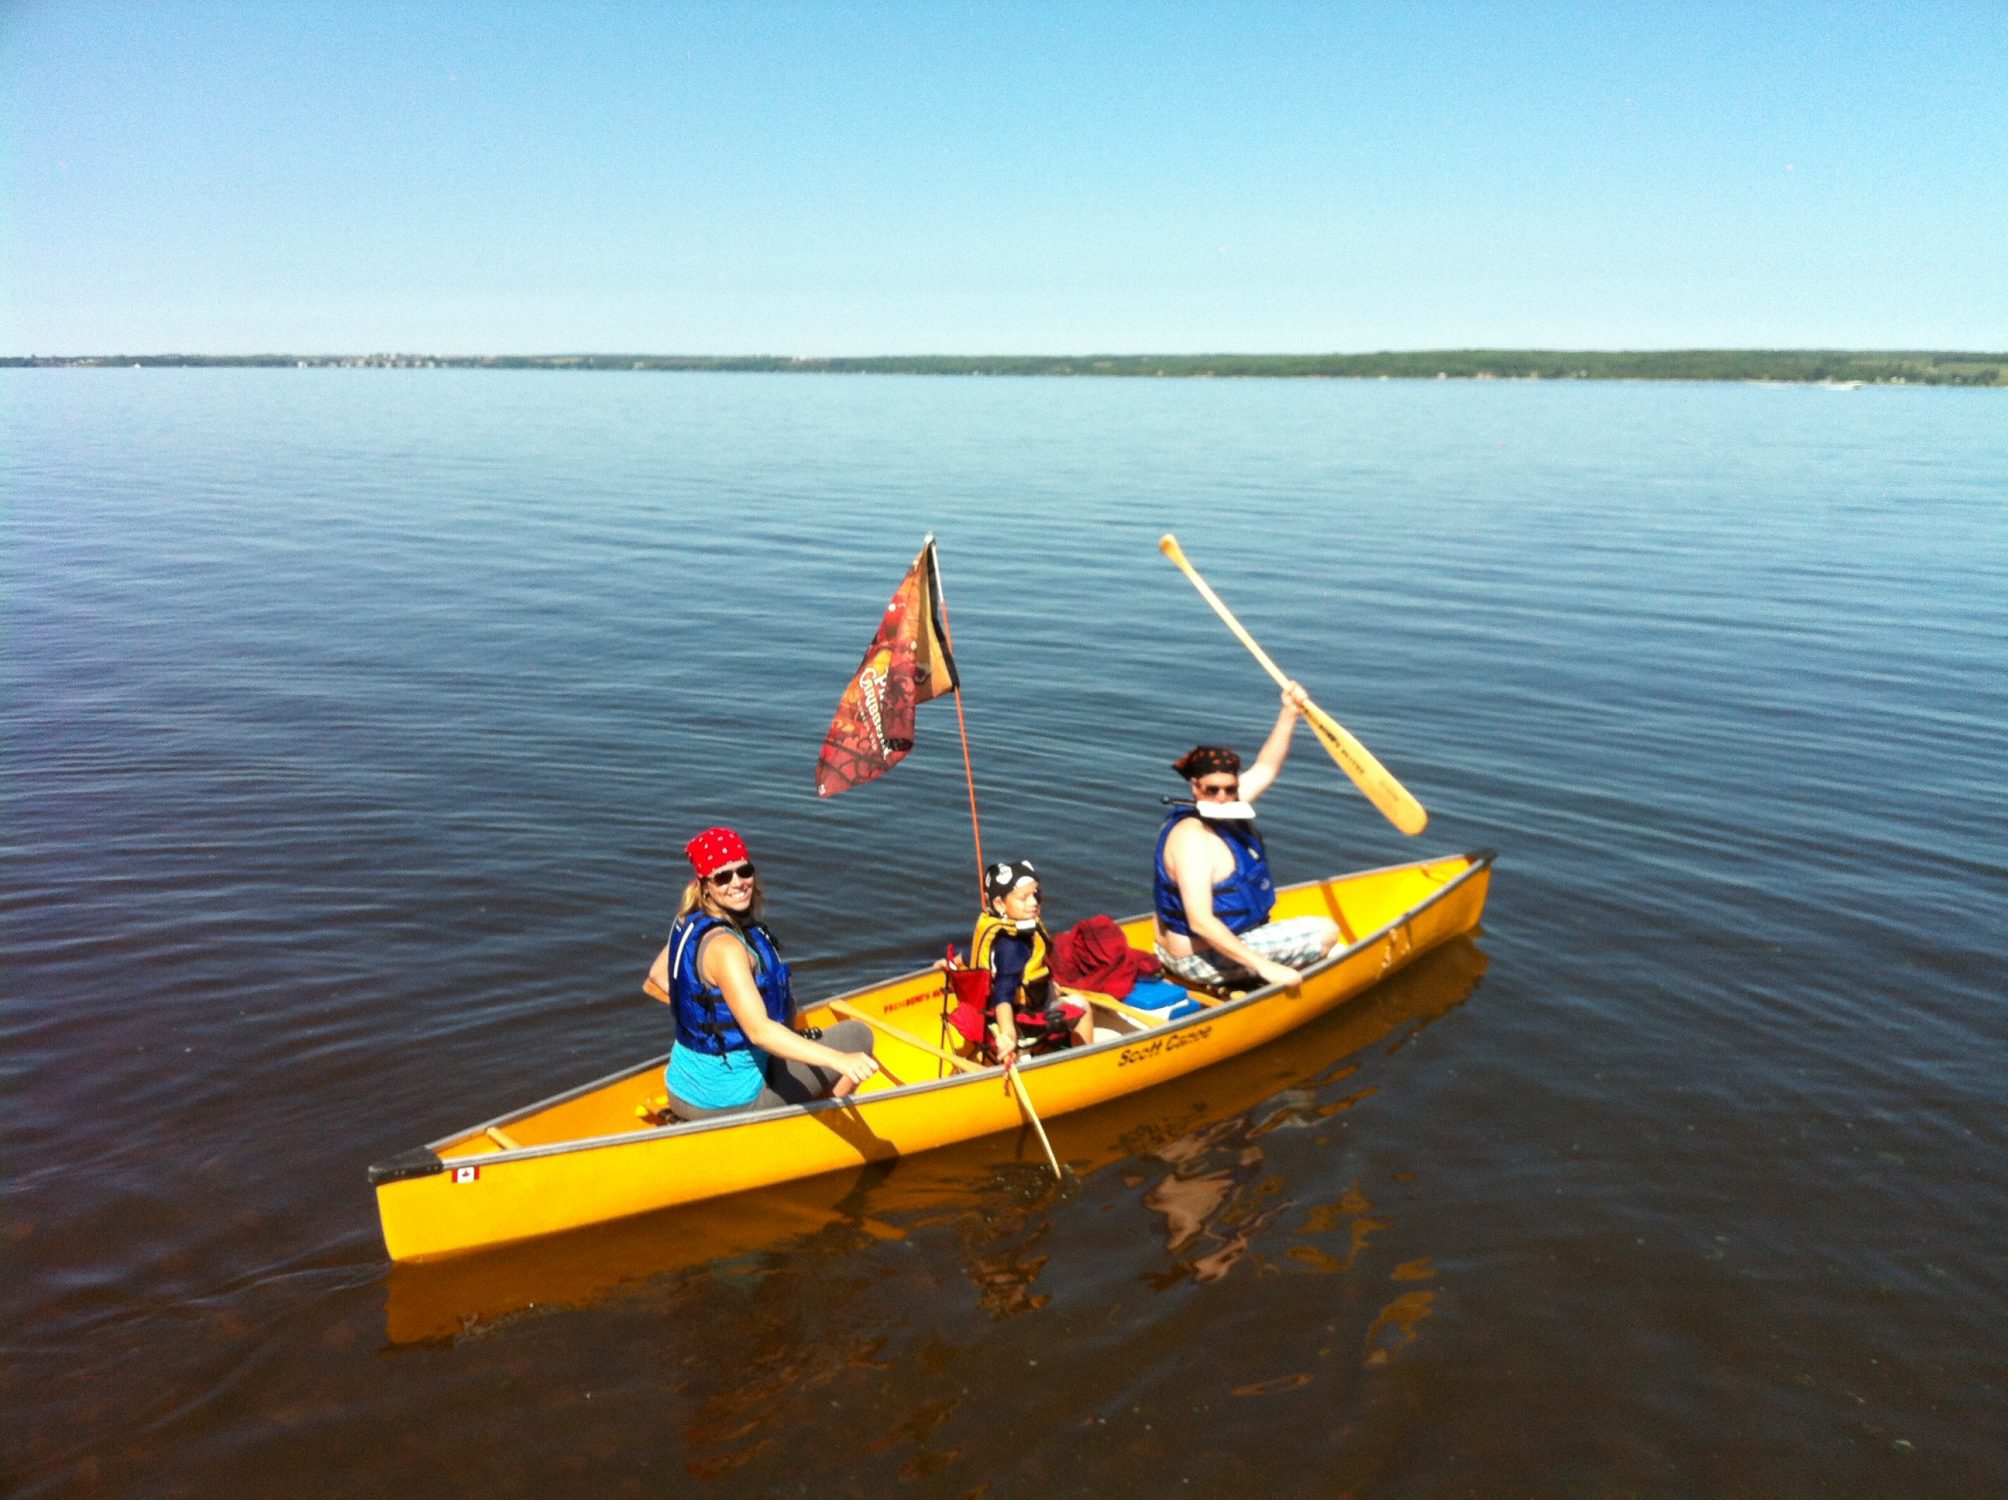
906	664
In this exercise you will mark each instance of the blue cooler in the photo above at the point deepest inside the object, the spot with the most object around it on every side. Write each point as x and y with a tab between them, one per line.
1163	997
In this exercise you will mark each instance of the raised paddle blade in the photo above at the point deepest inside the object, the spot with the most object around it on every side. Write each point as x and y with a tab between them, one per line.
1369	775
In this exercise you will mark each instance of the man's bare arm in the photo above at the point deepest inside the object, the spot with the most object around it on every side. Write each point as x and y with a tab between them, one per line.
1259	777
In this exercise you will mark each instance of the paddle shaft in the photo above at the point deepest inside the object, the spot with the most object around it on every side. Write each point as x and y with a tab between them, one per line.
900	1033
843	1008
1367	773
1025	1103
887	1074
1168	545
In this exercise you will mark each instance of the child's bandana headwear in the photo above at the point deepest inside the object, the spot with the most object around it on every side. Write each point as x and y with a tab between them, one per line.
1002	880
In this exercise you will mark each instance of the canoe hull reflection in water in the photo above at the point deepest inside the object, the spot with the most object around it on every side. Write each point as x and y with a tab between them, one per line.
585	1158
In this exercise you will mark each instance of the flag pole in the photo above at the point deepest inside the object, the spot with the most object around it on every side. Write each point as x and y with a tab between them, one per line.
962	724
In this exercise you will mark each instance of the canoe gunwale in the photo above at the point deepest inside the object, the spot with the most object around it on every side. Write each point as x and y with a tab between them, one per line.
1477	861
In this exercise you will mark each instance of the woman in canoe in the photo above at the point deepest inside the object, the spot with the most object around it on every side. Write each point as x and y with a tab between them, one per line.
736	1046
1013	944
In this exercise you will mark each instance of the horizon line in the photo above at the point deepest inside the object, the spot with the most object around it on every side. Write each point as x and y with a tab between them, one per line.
1385	353
1844	368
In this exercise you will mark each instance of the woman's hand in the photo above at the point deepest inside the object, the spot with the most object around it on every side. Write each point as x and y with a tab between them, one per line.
851	1068
856	1067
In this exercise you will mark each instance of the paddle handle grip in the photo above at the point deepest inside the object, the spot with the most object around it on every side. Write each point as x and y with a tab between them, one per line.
1168	545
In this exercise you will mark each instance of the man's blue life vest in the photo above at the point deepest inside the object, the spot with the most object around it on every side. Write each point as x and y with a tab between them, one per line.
1243	900
704	1022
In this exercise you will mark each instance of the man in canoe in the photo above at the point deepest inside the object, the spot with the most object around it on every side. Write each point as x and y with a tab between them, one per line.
1212	887
736	1043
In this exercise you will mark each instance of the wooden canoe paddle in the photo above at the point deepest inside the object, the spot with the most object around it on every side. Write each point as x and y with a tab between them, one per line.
1368	774
1031	1114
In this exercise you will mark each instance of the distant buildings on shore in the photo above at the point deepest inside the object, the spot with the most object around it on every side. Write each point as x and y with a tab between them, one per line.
1839	368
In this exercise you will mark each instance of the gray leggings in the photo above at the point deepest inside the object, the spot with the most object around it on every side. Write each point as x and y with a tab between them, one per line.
790	1082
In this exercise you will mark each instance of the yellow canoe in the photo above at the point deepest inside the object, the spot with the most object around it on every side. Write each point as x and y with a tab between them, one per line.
585	1157
434	1300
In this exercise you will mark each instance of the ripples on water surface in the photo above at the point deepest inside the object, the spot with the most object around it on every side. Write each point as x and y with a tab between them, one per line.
353	720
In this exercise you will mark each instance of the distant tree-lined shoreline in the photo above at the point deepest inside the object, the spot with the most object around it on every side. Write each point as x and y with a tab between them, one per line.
1820	366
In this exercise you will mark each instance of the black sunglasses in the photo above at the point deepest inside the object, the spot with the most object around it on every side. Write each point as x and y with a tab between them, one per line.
1231	790
723	878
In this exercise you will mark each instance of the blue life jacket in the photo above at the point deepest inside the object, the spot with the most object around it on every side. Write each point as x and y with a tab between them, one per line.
704	1022
1242	901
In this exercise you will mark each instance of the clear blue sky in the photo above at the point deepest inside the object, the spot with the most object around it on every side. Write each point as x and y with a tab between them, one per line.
895	178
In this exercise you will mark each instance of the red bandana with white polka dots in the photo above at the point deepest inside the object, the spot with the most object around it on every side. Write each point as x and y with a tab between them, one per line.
714	849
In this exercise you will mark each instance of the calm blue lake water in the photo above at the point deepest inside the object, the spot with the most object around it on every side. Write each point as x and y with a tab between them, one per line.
354	721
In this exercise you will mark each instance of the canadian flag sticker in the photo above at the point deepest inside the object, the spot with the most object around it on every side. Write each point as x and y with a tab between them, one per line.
466	1174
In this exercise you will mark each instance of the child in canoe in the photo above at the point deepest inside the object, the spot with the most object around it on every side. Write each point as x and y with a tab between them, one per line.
1012	944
